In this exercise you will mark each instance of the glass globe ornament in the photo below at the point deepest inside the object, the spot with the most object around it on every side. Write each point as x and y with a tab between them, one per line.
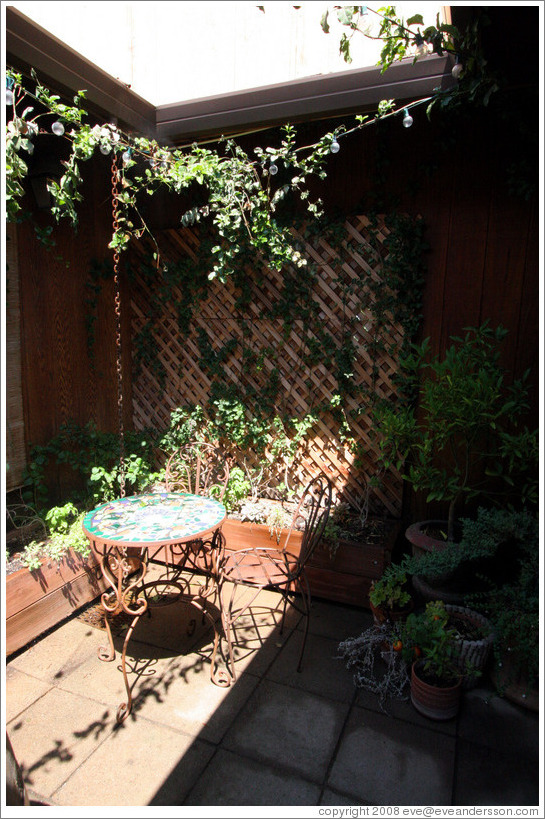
105	148
334	147
58	128
273	169
9	96
457	70
407	119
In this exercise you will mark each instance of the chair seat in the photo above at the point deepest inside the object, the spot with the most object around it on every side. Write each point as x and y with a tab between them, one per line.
260	567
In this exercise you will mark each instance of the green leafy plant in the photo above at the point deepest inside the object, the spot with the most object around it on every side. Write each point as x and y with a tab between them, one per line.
60	518
241	195
427	636
391	591
94	458
238	487
56	546
402	38
512	600
106	482
488	552
466	427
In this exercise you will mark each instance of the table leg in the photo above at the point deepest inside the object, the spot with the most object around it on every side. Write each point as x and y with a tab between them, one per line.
116	567
125	708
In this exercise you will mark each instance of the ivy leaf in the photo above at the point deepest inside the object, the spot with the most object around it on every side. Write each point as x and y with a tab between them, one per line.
344	48
324	24
344	15
415	20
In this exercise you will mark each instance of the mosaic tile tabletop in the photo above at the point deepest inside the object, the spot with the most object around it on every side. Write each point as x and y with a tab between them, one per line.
153	518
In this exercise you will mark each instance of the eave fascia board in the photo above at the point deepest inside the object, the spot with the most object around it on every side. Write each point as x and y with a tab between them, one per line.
353	91
28	45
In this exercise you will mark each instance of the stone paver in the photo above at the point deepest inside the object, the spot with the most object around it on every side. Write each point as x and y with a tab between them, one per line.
337	621
256	635
59	652
182	697
234	780
490	777
138	764
321	673
388	762
55	735
489	720
277	737
23	691
291	725
330	797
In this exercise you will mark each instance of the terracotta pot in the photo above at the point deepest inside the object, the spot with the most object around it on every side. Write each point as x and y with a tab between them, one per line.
433	701
436	589
384	615
440	586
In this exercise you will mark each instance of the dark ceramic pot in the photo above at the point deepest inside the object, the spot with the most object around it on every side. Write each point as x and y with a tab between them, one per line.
421	541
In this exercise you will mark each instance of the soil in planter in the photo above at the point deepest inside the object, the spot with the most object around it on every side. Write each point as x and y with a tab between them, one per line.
348	527
466	629
432	679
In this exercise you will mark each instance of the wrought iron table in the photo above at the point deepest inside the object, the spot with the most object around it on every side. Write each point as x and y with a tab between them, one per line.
181	531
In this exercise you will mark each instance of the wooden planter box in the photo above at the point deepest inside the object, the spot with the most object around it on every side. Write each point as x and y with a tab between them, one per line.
346	578
38	600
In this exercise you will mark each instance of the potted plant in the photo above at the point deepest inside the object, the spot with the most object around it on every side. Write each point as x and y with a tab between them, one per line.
430	644
50	578
389	597
487	556
457	431
513	608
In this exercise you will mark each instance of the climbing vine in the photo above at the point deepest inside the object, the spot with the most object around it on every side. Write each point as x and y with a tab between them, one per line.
247	390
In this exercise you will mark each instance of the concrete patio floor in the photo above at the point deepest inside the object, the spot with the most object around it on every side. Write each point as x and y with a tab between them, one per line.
276	737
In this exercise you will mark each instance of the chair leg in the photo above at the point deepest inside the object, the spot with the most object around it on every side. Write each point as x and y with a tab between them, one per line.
305	596
227	622
285	595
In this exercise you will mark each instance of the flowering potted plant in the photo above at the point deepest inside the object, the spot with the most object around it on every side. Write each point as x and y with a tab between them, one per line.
430	645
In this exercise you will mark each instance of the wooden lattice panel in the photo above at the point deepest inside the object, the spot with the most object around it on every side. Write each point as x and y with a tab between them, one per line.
357	262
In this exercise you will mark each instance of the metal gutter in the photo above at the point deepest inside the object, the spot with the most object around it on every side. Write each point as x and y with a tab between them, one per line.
346	92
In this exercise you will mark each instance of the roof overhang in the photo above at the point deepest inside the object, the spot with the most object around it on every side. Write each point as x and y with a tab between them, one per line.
65	71
319	97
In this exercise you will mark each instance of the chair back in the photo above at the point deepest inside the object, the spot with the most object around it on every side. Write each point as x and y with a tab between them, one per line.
311	516
196	468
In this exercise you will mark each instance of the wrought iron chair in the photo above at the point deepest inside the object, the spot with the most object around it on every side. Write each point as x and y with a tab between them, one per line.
198	468
281	571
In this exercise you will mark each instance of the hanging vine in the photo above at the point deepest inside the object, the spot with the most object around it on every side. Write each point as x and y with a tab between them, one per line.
242	198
